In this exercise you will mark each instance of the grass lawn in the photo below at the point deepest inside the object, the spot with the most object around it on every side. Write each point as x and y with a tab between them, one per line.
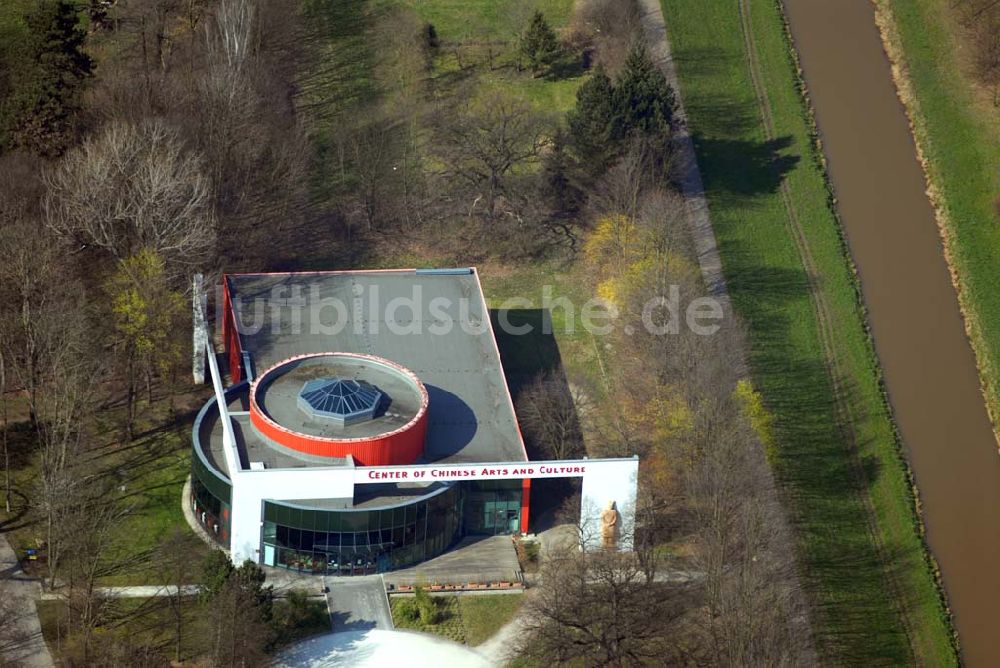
557	337
352	71
468	619
461	20
864	565
484	615
150	472
958	131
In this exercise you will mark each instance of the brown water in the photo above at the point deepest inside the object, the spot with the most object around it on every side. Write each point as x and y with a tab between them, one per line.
913	309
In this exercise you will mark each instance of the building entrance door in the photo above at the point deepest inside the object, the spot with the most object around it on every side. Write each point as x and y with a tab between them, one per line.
499	517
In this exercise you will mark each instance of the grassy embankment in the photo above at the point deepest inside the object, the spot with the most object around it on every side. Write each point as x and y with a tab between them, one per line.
466	619
873	594
957	128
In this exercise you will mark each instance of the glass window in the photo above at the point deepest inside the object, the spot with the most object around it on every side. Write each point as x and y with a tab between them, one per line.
355	521
308	539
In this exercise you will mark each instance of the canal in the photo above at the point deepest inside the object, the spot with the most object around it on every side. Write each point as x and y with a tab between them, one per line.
913	309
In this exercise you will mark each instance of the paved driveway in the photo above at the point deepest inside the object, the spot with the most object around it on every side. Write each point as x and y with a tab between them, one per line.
21	644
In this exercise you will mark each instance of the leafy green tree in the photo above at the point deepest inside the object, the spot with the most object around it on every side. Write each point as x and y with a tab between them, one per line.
643	100
146	314
539	44
592	123
43	91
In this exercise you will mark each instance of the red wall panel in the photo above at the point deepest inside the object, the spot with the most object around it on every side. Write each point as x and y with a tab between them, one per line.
231	334
400	447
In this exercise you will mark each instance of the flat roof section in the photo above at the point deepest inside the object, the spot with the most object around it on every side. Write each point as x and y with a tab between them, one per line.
434	324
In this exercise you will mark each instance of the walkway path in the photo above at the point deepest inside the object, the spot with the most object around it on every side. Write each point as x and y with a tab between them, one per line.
499	649
359	604
134	591
690	177
474	559
20	592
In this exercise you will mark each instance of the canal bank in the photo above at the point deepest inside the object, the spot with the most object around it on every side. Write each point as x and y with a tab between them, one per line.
928	366
860	547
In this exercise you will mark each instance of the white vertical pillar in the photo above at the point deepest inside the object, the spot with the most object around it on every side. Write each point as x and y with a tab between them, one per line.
199	333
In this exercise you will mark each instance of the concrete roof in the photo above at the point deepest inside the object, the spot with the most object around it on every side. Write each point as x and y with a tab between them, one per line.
470	418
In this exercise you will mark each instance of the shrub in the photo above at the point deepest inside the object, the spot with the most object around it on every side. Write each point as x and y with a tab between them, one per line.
406	610
426	606
299	616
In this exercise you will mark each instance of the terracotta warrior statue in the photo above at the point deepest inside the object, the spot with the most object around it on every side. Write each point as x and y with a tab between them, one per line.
609	526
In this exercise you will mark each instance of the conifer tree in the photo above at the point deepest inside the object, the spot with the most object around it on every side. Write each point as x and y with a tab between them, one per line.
539	44
47	94
643	100
592	123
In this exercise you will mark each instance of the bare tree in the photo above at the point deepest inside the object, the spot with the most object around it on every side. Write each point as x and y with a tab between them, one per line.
373	147
177	570
65	397
549	412
487	141
597	609
92	549
33	302
255	150
613	24
750	585
4	417
134	186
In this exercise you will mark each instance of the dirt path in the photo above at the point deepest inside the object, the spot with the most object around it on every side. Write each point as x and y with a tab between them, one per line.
702	233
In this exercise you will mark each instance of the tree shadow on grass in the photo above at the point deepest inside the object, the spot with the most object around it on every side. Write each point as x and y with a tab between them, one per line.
744	168
569	66
823	472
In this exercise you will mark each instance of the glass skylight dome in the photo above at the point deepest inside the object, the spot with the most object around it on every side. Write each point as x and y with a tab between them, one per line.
342	400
